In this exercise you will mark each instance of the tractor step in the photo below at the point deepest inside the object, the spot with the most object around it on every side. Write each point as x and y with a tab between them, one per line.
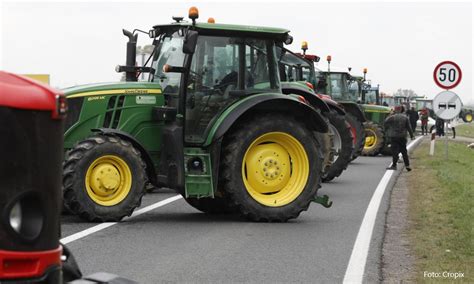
198	173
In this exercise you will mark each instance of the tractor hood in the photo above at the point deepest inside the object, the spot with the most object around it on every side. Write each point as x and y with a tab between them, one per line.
113	88
376	108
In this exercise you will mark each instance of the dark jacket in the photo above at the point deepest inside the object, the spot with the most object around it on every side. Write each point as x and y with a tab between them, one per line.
397	125
413	115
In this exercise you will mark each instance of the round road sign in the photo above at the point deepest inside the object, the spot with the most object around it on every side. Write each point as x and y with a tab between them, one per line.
447	105
447	75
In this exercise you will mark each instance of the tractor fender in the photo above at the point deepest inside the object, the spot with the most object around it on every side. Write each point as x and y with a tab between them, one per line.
150	167
310	96
265	102
333	105
354	109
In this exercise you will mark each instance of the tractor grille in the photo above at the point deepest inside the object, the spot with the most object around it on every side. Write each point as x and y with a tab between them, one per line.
74	110
114	111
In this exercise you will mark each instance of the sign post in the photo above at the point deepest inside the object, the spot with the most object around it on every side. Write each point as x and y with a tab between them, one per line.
447	105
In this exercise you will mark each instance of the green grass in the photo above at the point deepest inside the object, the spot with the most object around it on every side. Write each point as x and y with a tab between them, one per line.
466	130
441	211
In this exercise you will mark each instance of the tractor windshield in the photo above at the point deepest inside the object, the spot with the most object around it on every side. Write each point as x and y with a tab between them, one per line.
337	87
371	97
294	68
354	89
169	51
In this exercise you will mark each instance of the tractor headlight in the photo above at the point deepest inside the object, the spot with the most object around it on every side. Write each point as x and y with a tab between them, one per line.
15	217
26	217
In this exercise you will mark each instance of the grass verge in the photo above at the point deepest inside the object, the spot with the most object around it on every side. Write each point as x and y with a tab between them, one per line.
466	130
441	212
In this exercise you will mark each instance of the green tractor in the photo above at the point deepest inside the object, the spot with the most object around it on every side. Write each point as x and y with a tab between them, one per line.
335	84
211	123
376	113
296	73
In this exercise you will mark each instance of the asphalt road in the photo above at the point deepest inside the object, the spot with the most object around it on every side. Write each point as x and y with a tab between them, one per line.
176	243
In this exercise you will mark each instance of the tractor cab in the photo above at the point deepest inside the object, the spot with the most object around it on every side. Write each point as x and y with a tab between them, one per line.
221	70
338	85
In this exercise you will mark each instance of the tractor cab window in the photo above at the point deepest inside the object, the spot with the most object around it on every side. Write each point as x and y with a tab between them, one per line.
169	51
354	89
223	70
294	68
371	97
308	74
337	86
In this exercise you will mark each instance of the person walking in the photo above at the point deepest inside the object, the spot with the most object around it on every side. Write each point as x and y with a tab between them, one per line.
413	117
396	127
452	124
439	127
424	115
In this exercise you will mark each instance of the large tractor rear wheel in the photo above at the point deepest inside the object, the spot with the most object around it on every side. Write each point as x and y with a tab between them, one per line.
342	144
358	133
104	179
328	152
271	167
374	139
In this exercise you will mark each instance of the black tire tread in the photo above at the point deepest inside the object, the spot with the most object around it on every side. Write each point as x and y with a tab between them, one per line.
347	147
374	151
74	156
360	135
232	145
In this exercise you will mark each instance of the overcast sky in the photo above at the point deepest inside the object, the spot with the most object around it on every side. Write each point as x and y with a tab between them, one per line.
400	43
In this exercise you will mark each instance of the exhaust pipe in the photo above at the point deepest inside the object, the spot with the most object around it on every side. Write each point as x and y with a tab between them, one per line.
130	74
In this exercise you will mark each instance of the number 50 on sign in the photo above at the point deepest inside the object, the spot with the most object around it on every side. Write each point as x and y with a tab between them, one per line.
447	75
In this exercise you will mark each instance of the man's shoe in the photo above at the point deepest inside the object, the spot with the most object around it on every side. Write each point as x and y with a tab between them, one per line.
392	168
408	169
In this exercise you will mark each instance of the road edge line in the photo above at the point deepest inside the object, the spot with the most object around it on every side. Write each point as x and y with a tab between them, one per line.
100	227
360	251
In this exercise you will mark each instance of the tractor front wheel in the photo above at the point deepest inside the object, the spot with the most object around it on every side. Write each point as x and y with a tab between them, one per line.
104	179
374	139
271	168
467	117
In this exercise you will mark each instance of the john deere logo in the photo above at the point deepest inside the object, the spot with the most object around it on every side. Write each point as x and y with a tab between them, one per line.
136	91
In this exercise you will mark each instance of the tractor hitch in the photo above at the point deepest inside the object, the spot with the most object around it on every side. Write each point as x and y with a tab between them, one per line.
323	200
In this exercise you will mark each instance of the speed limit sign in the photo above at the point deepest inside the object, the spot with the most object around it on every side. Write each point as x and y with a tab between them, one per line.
447	75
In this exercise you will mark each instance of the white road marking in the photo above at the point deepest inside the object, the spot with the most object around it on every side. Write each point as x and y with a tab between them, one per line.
100	227
356	267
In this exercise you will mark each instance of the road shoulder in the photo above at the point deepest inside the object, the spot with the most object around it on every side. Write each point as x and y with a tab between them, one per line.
397	258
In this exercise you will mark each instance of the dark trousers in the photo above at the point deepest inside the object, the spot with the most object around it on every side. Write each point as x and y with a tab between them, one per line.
399	145
413	126
424	128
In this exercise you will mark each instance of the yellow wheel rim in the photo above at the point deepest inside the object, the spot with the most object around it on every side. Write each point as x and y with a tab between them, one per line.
275	169
108	180
469	117
370	139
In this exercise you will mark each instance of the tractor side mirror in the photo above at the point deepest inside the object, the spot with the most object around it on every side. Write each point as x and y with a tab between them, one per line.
190	41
